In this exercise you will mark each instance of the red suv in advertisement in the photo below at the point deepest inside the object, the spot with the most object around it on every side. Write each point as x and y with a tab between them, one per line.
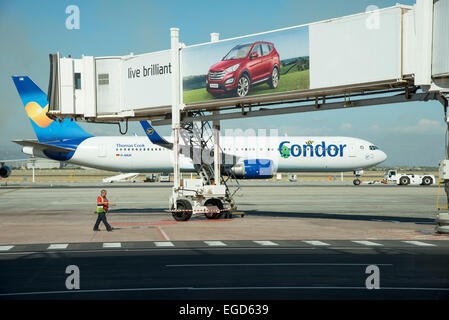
244	66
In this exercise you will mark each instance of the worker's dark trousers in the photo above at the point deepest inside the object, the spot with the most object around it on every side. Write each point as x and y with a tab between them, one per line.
102	218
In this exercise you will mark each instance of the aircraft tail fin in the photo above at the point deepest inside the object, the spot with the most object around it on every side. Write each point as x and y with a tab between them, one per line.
36	107
154	136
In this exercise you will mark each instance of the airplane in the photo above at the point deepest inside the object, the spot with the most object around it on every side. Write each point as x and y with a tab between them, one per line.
252	157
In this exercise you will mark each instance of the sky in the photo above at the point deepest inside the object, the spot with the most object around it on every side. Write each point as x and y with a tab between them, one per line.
412	134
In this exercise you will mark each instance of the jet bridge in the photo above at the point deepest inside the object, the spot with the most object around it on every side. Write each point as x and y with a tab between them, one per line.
385	56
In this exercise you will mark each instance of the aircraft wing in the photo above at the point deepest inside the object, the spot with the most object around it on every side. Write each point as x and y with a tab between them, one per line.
42	146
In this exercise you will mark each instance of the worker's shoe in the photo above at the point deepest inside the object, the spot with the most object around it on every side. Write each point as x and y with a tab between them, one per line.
96	229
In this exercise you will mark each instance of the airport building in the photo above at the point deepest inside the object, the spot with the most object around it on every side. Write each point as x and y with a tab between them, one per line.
43	164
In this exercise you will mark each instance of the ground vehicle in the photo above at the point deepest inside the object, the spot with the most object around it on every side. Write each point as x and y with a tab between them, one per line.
164	177
244	66
152	177
405	179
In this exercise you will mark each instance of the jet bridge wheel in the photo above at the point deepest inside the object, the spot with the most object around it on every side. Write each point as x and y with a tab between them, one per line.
213	203
184	210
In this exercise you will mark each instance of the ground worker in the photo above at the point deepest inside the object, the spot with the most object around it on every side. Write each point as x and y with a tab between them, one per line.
102	208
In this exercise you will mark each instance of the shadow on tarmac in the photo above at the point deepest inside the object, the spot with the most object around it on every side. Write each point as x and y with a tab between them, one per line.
138	210
339	216
299	215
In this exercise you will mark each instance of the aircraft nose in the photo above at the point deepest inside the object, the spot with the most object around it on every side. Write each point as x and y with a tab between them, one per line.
382	156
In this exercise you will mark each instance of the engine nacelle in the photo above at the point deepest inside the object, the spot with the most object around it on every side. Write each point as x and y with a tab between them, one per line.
28	150
5	171
254	169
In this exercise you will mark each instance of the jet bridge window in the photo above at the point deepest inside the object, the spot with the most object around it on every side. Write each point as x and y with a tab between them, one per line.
77	80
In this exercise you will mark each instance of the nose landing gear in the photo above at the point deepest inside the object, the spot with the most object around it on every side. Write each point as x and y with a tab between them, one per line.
357	174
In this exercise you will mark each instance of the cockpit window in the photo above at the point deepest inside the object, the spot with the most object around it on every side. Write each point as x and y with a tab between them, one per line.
373	147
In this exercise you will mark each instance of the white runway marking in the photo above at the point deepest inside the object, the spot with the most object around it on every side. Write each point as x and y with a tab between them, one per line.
266	243
317	243
218	288
215	243
274	264
419	243
164	244
367	243
164	235
112	245
171	249
6	248
58	246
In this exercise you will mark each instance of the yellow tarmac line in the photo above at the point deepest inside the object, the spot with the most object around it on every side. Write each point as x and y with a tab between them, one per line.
2	193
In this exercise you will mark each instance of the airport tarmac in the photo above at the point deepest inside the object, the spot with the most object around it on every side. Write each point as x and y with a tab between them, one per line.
64	213
296	241
194	272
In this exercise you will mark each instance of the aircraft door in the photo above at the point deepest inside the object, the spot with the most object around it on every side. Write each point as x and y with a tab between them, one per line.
102	150
351	150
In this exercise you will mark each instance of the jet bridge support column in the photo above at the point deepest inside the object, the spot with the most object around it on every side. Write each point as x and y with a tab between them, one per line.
176	117
216	129
442	219
446	178
217	162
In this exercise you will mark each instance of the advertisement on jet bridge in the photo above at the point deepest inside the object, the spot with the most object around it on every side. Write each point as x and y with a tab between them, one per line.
147	80
270	62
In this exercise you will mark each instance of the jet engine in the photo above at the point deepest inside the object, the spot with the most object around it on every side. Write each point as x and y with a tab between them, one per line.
254	169
4	171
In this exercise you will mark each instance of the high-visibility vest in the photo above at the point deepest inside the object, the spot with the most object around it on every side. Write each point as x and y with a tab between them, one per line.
101	207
